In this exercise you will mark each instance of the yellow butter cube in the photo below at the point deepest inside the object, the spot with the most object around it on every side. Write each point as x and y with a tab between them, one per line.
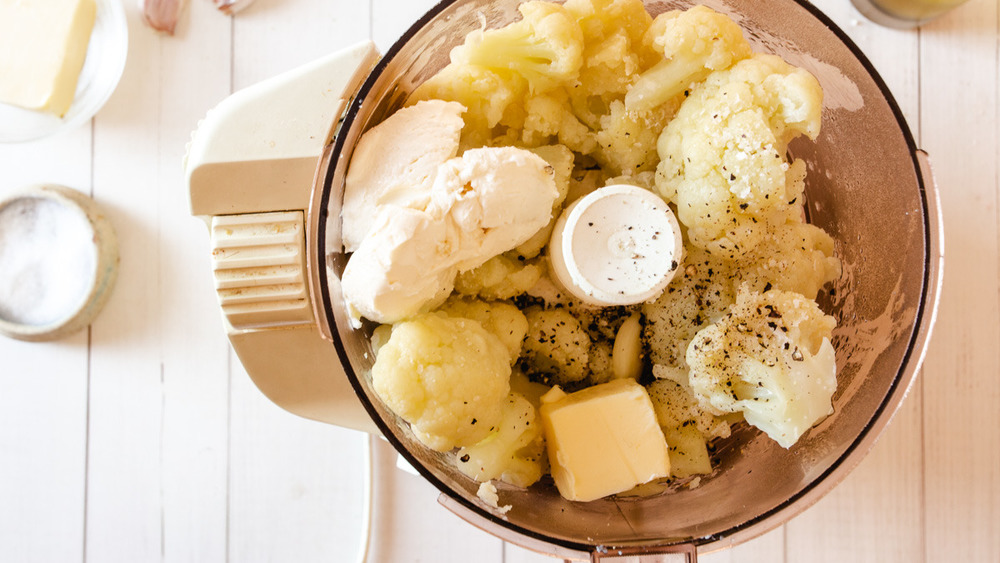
43	44
603	440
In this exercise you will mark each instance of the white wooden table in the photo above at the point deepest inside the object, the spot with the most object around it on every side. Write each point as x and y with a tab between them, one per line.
142	439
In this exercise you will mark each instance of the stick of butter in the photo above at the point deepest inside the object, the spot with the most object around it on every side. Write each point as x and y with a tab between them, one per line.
603	440
43	44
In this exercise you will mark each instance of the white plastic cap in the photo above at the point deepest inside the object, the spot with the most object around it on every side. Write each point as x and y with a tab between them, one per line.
618	245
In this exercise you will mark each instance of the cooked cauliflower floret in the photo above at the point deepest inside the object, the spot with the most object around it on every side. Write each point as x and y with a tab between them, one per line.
600	366
560	158
795	257
447	377
688	452
545	46
556	346
694	42
548	119
613	53
504	320
531	390
697	295
677	408
722	158
769	358
491	95
513	453
628	138
500	277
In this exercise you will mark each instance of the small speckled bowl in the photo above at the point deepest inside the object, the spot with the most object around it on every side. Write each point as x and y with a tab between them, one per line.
58	262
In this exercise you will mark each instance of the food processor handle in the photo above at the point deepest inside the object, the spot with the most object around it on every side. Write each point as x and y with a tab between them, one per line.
251	167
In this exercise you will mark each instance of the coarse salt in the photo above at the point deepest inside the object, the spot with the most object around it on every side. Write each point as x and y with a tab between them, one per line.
48	261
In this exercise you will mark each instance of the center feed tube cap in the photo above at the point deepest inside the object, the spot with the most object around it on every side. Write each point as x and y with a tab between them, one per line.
618	245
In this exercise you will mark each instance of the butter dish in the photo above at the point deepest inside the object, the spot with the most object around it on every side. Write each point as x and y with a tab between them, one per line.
98	78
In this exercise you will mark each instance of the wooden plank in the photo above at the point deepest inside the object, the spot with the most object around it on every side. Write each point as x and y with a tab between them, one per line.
410	525
43	393
157	448
852	523
193	348
959	91
295	485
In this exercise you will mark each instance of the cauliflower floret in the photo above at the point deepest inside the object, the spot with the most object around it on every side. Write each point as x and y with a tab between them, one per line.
695	42
722	158
677	408
688	452
613	54
500	277
545	46
531	390
556	346
628	139
548	119
600	366
698	295
513	453
504	320
769	358
600	19
560	158
447	377
491	95
795	257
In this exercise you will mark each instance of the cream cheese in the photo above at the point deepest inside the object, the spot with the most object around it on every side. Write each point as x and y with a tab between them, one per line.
618	245
395	163
480	205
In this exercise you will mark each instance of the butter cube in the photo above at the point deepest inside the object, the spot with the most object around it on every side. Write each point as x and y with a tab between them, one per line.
603	440
43	44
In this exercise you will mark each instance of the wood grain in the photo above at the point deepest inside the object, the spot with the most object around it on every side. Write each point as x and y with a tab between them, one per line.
960	381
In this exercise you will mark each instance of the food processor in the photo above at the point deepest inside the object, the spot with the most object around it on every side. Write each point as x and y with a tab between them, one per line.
266	171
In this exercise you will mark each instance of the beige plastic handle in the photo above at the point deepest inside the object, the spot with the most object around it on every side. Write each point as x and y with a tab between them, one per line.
251	167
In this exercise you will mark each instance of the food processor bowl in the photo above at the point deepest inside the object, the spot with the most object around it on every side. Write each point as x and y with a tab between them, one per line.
868	186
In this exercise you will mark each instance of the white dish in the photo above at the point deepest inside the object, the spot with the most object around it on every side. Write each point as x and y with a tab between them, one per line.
102	69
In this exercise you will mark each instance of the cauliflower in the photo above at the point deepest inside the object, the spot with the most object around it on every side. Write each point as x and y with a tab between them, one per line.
490	95
545	46
694	43
531	390
513	453
688	452
722	158
613	53
560	158
504	320
698	295
556	345
599	364
769	358
676	408
548	119
447	377
795	257
500	277
601	19
628	139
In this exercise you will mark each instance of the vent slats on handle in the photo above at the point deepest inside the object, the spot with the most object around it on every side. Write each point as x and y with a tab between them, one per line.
259	267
